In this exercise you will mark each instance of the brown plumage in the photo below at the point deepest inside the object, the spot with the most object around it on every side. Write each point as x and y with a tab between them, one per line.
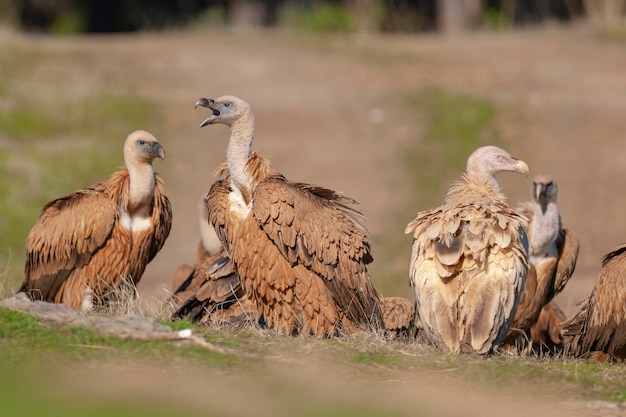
85	244
553	255
598	330
398	316
546	334
300	250
210	291
469	259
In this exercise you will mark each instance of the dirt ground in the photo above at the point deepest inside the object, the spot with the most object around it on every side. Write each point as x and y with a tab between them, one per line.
331	113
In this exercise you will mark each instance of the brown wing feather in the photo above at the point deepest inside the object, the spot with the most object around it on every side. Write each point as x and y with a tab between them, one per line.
568	247
398	315
217	205
600	325
545	334
65	236
313	226
212	293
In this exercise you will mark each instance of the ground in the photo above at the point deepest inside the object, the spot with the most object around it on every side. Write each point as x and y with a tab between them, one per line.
334	112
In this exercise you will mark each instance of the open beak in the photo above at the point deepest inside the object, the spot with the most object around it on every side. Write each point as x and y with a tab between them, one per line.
158	150
208	103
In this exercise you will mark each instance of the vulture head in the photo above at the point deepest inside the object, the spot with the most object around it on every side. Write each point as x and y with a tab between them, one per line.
226	110
544	190
142	147
485	162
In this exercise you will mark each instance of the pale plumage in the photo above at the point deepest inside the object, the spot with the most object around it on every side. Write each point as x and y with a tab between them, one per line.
84	244
470	259
598	330
300	250
210	291
553	255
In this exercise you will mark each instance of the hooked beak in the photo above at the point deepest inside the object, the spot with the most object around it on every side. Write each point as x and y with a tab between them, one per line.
208	103
158	150
521	167
540	191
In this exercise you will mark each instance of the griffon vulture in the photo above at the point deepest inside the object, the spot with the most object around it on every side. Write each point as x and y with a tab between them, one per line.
300	250
553	255
470	259
598	330
85	244
210	291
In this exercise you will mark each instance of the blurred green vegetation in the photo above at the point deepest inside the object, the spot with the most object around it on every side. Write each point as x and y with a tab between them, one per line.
53	146
327	18
457	124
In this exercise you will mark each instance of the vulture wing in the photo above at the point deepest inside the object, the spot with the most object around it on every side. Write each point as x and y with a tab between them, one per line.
67	233
161	219
468	267
398	315
315	227
567	244
546	333
600	325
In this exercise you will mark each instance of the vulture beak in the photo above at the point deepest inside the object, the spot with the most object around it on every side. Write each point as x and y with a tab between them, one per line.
520	166
158	150
540	191
208	103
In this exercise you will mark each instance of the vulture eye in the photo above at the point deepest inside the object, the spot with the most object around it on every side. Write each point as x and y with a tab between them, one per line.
549	185
226	104
142	142
499	158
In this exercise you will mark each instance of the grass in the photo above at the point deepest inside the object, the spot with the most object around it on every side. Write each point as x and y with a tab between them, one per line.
305	369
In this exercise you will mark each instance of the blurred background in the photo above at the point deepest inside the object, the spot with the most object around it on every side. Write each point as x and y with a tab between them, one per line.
380	99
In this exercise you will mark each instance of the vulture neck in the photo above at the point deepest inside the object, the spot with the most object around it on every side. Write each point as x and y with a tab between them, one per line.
239	147
141	186
544	227
482	178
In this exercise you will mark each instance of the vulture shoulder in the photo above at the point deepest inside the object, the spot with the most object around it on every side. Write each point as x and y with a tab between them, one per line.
65	236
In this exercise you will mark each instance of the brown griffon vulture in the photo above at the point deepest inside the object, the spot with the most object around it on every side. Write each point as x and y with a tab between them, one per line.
210	291
553	255
300	250
85	244
598	330
470	259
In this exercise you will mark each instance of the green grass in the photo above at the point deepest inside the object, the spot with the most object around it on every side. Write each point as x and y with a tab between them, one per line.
29	345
